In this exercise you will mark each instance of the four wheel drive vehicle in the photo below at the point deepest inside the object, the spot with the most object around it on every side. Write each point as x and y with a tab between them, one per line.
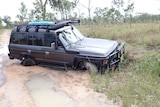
62	44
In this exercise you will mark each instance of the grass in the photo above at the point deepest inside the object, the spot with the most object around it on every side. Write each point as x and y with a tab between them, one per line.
137	81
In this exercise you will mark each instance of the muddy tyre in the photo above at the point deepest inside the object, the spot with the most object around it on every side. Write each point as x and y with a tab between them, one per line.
91	68
28	62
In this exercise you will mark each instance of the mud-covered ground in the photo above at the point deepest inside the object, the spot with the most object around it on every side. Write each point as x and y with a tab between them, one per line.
39	86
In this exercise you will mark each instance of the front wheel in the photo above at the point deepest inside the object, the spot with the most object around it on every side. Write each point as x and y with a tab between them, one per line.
92	68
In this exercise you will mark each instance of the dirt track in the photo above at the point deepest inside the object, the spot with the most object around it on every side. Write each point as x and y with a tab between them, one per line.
27	86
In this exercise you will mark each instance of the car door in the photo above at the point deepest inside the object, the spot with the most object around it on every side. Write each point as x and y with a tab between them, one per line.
56	56
55	52
35	45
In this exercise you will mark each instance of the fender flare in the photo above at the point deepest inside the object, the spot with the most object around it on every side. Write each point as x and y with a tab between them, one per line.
26	54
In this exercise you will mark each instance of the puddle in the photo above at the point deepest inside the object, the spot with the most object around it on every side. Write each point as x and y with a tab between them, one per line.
45	94
4	50
0	62
2	77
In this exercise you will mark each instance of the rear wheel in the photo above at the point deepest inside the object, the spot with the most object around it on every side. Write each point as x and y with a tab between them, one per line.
28	62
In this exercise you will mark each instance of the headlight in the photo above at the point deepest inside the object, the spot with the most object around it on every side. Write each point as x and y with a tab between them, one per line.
105	61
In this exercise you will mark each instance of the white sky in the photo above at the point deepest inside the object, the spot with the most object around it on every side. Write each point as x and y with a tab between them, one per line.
10	7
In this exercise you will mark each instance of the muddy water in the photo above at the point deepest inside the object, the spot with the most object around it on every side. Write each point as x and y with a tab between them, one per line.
2	77
0	62
3	51
45	93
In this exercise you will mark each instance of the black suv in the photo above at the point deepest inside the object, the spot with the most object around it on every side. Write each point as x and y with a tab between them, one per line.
62	44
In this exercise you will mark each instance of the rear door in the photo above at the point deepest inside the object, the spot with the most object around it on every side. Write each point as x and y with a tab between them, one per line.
18	44
35	44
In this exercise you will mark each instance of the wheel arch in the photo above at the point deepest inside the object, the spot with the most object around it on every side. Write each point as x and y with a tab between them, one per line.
78	60
26	55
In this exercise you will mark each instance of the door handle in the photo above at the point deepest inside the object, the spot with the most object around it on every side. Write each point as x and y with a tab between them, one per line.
29	51
47	53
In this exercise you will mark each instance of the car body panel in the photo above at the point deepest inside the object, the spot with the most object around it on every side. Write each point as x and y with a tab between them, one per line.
95	47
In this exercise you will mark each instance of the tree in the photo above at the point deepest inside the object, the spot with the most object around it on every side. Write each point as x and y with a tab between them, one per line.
117	4
101	14
40	9
117	8
32	15
7	21
0	22
50	16
38	13
114	16
129	10
64	7
88	8
43	9
23	13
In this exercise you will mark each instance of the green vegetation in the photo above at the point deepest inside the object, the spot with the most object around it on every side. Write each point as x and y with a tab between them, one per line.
138	78
121	11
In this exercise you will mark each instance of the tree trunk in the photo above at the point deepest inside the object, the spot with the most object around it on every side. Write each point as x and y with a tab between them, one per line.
130	21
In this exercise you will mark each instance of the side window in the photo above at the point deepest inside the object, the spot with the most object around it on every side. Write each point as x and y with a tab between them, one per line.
62	38
38	39
48	39
35	39
19	38
30	39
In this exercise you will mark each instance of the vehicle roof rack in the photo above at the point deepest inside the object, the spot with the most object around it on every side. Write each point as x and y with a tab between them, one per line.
48	25
68	21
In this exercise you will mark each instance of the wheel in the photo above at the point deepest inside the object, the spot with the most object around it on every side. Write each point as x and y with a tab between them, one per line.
28	62
81	66
91	67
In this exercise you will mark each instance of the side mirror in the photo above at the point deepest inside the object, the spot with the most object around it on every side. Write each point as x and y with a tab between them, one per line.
53	45
72	27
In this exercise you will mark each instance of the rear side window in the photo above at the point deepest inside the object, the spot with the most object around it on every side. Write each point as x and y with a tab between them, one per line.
19	38
35	39
48	39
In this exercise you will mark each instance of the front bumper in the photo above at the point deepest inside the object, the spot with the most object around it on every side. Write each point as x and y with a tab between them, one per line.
115	57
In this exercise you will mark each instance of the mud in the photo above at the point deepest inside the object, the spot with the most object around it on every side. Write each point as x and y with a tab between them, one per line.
45	93
38	86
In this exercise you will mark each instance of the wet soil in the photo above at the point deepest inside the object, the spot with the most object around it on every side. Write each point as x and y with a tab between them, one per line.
38	86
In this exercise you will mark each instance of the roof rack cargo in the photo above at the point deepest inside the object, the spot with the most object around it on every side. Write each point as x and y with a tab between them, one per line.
44	23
